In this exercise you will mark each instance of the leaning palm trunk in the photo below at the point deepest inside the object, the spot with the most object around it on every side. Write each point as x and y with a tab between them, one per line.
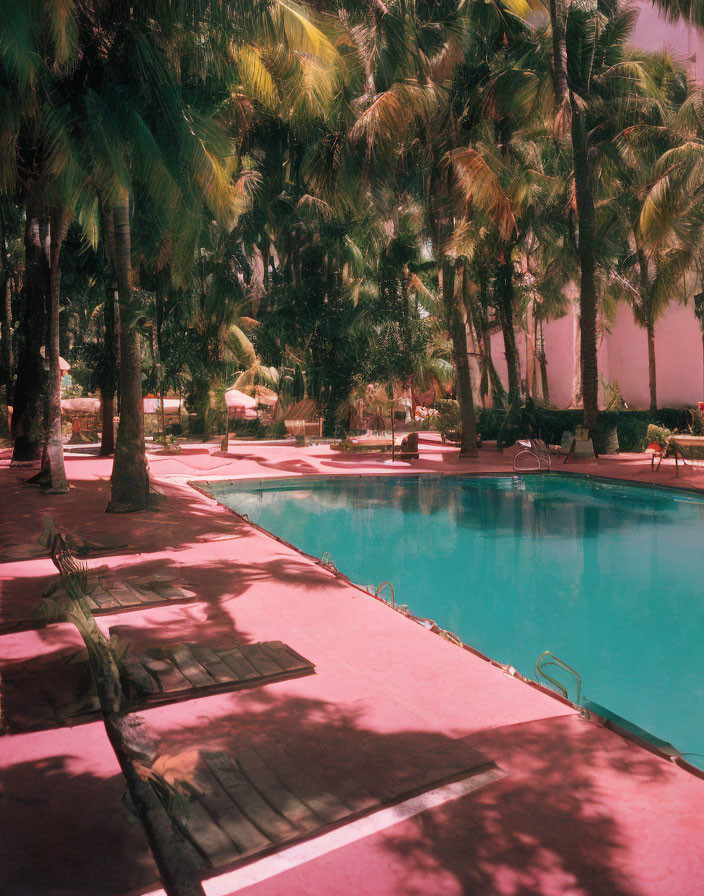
130	480
456	310
27	430
175	858
54	449
588	302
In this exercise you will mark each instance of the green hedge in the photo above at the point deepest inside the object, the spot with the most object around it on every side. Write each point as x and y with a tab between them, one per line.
549	424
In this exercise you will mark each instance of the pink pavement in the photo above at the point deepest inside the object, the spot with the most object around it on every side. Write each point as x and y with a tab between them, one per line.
580	810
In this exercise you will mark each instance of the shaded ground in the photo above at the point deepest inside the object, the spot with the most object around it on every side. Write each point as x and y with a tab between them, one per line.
580	811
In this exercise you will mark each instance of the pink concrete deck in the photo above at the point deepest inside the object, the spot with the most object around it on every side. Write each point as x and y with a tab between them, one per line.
580	811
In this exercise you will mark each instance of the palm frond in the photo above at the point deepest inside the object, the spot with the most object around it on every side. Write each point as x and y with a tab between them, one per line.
479	185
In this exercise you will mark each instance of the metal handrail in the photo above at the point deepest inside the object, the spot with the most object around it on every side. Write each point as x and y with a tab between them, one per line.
327	561
556	661
521	453
541	454
388	586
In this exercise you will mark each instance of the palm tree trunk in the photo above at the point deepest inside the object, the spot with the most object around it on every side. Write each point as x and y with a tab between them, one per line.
544	367
453	294
504	288
577	359
109	367
108	378
57	482
645	315
176	860
130	479
559	10
5	333
534	357
588	301
27	416
652	382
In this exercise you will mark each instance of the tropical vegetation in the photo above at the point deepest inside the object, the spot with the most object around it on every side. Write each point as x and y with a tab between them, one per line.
196	194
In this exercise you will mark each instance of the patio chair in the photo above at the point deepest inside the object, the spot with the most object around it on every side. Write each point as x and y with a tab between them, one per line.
669	446
566	447
536	449
408	449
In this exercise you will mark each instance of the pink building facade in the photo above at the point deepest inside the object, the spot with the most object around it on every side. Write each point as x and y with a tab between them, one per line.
623	358
623	349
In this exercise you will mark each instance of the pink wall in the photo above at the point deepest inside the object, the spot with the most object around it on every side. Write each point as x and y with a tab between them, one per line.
623	358
654	32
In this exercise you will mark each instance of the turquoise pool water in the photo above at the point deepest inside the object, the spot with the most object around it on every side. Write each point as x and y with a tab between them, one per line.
606	576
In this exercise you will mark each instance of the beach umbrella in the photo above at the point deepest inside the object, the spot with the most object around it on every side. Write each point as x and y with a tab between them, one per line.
80	404
236	399
64	366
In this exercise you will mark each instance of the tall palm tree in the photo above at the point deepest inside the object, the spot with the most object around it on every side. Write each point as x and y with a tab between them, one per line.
37	50
657	215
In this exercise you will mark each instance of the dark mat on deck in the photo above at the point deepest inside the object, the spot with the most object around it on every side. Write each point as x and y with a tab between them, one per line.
42	695
107	594
265	797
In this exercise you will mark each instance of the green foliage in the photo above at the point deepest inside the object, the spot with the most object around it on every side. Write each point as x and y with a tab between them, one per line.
396	350
448	419
614	399
277	430
248	429
657	434
298	177
549	424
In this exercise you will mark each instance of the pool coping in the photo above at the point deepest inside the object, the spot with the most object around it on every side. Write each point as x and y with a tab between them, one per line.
623	727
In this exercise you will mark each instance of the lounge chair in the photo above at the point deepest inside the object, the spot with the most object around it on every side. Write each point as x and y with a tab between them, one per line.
566	447
407	448
535	448
303	419
364	445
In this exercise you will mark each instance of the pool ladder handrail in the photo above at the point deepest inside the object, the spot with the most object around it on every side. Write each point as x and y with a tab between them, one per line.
327	562
556	661
537	449
388	587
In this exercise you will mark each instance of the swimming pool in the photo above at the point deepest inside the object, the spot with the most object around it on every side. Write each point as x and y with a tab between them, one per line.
606	576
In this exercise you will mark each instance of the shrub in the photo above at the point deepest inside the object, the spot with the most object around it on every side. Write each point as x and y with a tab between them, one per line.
448	418
657	434
277	430
252	429
549	424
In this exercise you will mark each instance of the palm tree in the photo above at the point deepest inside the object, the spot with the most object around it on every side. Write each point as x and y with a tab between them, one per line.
657	215
37	50
54	453
412	106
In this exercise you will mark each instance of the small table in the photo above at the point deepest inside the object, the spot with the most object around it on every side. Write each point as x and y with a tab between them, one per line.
676	443
686	440
683	441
